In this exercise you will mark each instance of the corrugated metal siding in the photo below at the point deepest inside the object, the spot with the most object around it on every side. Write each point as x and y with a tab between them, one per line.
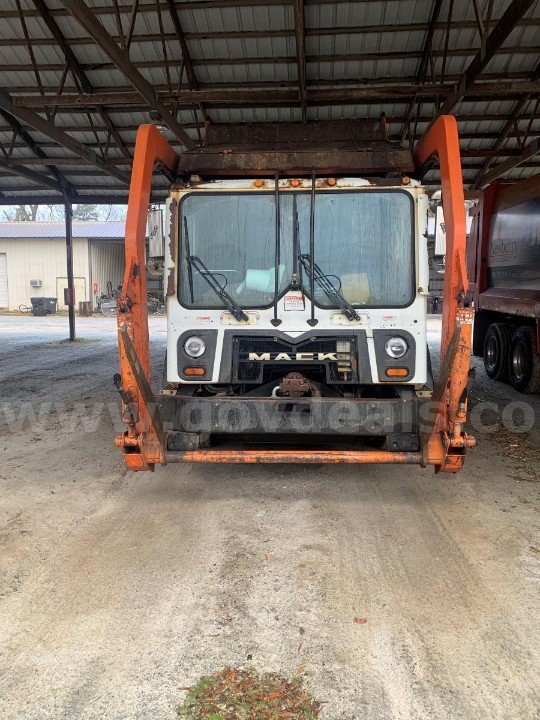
106	266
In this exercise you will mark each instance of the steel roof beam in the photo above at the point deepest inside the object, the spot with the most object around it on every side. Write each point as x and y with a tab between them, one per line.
345	96
39	123
530	151
289	60
490	47
120	58
507	128
77	70
34	176
449	81
150	7
424	60
10	165
188	64
392	136
181	37
300	35
282	32
29	142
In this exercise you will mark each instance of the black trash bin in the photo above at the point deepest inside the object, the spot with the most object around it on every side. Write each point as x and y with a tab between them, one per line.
43	306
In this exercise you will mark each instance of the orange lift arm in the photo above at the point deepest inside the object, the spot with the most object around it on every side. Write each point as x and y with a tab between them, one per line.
444	438
143	440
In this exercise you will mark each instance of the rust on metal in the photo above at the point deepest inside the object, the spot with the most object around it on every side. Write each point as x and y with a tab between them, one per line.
142	442
442	141
331	457
171	281
260	149
294	385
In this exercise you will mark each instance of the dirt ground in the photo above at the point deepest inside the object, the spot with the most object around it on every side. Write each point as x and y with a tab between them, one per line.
117	590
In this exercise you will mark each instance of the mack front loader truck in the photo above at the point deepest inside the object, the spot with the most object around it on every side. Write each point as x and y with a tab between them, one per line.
296	277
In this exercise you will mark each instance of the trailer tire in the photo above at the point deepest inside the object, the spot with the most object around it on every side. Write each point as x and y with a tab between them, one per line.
524	361
496	351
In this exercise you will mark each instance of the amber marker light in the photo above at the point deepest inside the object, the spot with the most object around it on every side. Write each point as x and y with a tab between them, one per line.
405	180
198	371
397	372
331	182
295	182
258	183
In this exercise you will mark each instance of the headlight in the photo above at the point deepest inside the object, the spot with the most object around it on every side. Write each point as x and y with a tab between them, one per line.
396	347
194	346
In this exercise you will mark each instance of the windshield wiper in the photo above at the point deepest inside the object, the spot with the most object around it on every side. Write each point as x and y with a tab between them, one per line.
327	286
195	262
220	291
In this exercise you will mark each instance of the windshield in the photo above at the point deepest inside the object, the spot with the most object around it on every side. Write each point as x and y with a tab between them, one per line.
363	244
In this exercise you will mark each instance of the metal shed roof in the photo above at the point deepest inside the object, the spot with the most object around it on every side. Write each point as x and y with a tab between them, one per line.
93	230
79	77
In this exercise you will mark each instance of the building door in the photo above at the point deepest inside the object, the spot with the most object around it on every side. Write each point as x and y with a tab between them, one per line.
3	281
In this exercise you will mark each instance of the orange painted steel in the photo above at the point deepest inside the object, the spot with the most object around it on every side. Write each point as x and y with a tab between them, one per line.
141	443
447	442
329	457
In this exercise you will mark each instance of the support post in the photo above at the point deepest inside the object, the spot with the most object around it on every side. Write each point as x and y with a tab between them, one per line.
70	293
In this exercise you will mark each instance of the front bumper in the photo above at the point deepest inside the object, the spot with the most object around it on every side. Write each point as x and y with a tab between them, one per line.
285	416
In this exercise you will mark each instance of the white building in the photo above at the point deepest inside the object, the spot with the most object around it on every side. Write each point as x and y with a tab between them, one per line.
33	261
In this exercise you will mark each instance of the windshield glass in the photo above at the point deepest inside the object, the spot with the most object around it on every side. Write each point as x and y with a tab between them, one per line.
234	235
363	243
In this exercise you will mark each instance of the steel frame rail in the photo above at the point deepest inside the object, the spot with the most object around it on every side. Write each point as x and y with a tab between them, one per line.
444	440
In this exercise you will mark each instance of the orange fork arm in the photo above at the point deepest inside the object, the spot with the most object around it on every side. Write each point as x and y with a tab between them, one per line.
447	440
141	442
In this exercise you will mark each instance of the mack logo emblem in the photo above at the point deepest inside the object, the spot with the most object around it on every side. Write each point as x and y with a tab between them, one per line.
286	357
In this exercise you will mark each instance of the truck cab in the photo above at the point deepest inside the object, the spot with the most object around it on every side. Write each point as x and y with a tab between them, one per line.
298	288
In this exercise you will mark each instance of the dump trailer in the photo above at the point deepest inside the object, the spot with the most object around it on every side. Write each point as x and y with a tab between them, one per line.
296	277
503	261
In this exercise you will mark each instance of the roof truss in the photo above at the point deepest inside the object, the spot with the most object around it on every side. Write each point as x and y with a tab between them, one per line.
68	121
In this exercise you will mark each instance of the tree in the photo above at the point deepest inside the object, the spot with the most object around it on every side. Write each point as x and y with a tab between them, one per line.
48	213
21	212
86	212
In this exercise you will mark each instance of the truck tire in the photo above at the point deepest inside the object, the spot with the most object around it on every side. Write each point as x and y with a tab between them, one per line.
496	350
524	361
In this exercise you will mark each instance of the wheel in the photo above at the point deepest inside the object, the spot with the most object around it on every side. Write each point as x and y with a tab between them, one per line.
524	361
496	348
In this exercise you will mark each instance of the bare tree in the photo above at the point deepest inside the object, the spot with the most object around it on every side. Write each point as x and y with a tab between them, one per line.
21	212
47	213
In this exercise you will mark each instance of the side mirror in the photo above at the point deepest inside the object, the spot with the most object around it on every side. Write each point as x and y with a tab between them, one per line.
156	240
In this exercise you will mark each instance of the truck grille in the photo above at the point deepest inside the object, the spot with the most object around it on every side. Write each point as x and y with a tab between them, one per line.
246	370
